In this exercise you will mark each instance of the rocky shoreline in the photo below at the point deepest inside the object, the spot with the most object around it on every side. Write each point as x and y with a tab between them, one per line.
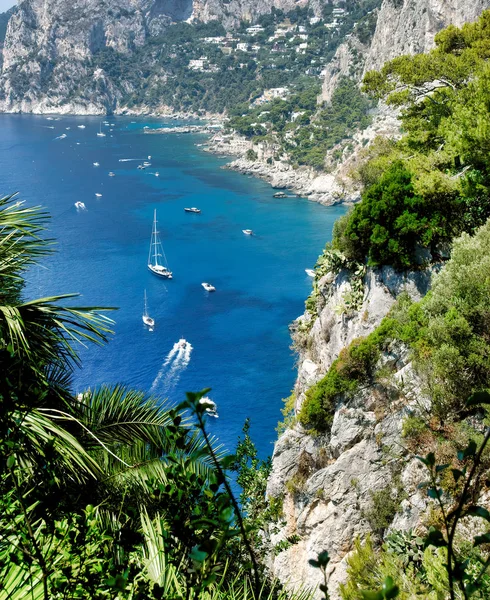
324	188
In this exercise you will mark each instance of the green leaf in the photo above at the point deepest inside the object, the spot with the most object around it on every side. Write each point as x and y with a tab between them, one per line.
323	558
314	563
481	539
482	397
457	474
479	511
10	461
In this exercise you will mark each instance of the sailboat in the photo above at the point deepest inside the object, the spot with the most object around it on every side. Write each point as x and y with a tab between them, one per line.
147	320
100	133
156	252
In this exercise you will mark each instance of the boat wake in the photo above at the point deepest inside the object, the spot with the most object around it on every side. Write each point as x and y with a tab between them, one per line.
175	363
129	159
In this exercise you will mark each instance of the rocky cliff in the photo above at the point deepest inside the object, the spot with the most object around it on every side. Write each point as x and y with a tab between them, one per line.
402	27
327	482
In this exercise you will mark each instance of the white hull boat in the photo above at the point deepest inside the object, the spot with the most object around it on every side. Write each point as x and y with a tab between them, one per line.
208	287
247	231
157	261
80	206
193	210
310	272
147	320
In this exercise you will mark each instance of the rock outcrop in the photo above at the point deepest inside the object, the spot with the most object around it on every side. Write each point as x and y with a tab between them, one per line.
402	27
326	482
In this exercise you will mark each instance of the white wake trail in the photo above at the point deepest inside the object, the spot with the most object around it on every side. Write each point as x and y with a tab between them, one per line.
173	366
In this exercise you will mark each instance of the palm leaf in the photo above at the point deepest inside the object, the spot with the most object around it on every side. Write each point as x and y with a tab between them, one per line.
39	430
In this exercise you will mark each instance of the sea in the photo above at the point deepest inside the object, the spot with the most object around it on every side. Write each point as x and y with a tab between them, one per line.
240	345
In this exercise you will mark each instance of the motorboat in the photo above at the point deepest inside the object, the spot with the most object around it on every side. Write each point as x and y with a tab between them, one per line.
157	174
96	164
80	205
147	320
310	272
111	174
247	231
81	126
211	408
98	195
147	164
141	167
280	195
149	156
208	287
156	255
192	210
182	343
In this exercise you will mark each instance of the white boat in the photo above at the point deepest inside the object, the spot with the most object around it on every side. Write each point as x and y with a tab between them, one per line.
157	174
100	133
149	156
310	272
98	195
81	126
80	205
211	408
67	128
111	174
208	287
96	164
156	254
141	167
147	320
182	343
192	210
147	164
247	231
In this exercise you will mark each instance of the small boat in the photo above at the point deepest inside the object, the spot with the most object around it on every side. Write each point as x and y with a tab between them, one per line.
81	126
247	231
147	164
211	408
157	254
310	272
96	164
141	167
146	127
157	174
112	125
100	133
208	287
111	174
182	343
98	195
193	210
67	128
61	137
80	205
49	119
280	195
149	156
147	320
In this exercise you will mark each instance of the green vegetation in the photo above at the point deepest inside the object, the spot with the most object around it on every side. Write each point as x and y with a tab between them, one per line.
435	182
110	493
447	332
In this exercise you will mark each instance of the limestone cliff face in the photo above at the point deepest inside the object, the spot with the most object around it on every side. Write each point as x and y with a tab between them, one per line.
403	27
326	482
49	43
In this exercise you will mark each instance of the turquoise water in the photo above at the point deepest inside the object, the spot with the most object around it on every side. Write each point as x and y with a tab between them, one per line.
239	334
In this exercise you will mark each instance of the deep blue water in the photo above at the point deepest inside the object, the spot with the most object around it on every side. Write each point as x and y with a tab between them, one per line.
239	334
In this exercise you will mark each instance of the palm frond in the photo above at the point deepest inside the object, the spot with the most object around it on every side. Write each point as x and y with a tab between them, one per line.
40	431
117	414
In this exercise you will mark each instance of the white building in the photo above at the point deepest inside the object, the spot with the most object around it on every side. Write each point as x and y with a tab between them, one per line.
254	29
198	64
243	46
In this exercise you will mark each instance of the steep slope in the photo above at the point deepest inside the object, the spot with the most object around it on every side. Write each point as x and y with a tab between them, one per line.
50	44
326	482
402	27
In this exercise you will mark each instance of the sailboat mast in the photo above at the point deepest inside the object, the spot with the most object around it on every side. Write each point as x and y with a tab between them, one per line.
145	313
155	236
